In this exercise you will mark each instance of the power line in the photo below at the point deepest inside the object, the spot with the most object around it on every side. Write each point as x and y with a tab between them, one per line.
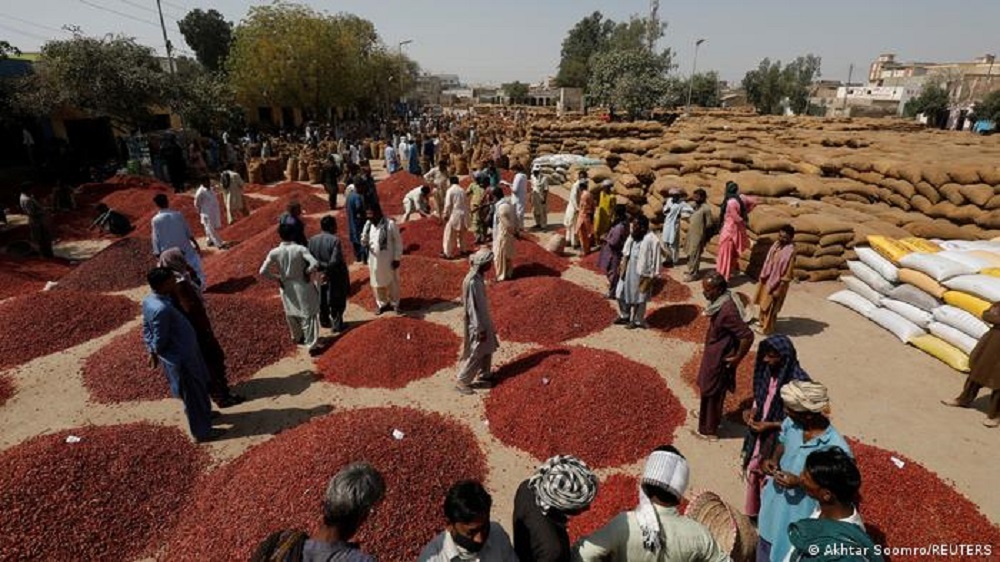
145	8
176	6
38	25
22	32
117	13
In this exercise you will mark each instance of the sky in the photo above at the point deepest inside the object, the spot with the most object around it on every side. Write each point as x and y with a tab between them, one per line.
497	41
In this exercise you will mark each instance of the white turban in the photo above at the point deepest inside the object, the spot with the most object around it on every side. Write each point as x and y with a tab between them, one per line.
564	483
667	471
805	396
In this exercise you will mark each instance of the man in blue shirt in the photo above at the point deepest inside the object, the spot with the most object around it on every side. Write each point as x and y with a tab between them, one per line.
171	340
170	230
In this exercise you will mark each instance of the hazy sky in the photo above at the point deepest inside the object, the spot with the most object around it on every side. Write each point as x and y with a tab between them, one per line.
496	41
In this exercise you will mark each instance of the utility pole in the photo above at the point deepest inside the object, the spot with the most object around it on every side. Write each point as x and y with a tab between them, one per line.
847	87
170	47
694	70
402	69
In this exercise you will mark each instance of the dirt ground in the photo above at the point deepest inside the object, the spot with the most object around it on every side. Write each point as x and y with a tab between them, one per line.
883	393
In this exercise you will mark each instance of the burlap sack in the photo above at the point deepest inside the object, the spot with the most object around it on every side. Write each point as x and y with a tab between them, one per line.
978	194
965	174
292	172
953	193
936	229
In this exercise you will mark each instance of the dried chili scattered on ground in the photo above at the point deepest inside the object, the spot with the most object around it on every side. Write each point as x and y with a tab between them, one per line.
40	324
546	310
122	265
20	276
424	282
419	349
113	495
737	401
682	321
581	401
615	494
241	503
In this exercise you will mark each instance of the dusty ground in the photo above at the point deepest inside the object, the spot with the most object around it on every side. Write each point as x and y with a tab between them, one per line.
883	393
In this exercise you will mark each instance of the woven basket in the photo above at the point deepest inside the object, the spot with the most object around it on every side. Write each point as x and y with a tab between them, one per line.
731	529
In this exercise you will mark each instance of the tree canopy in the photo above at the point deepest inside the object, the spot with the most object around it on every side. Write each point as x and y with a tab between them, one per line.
516	92
769	85
291	55
989	108
932	101
111	76
633	81
209	35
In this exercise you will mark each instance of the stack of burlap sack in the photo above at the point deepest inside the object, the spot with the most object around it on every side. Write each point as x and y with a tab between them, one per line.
929	293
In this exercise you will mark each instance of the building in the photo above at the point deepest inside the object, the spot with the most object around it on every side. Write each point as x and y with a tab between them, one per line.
966	82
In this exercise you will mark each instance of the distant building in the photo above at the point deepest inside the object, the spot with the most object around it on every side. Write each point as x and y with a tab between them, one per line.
966	82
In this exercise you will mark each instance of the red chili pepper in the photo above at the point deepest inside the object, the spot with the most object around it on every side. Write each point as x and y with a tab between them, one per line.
547	310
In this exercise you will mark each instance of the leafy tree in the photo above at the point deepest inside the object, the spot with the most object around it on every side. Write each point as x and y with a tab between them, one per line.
769	85
6	50
932	101
291	55
516	91
209	35
989	108
633	81
588	37
112	77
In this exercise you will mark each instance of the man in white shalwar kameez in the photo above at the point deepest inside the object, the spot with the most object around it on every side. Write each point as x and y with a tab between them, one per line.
505	231
519	193
232	188
456	212
207	204
385	250
480	334
569	217
640	267
299	296
674	208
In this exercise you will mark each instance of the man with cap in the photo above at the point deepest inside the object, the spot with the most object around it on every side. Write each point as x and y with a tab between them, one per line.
480	334
654	530
562	487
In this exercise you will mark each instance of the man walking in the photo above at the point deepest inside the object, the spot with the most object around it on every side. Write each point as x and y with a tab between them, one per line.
456	213
640	266
506	229
171	340
539	199
439	179
170	230
299	297
775	277
480	335
384	247
326	248
726	344
208	210
700	226
985	370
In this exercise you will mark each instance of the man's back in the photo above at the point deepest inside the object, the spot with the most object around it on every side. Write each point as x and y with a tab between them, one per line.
170	230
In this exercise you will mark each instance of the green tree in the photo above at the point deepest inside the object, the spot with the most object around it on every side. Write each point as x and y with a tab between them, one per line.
202	98
6	50
769	85
588	37
989	108
209	35
704	91
932	101
291	55
633	81
517	92
111	76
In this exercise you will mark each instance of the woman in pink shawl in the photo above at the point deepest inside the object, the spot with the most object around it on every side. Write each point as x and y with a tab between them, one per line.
775	277
733	238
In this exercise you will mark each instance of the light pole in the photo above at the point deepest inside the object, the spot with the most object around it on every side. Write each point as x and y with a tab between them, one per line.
694	69
402	67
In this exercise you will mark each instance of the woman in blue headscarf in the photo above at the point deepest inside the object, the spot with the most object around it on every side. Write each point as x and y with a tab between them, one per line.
777	365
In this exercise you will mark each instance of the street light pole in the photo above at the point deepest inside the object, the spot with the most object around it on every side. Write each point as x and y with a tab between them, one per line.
694	69
170	48
402	67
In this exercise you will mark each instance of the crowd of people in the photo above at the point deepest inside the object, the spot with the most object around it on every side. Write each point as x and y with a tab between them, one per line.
801	479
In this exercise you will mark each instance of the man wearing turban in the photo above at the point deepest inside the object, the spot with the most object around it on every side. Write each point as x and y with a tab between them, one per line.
806	429
654	530
480	334
561	487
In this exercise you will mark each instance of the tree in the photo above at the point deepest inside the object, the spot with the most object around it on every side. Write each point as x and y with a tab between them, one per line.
209	35
705	89
633	81
112	77
588	37
6	50
516	92
769	86
932	101
291	55
989	108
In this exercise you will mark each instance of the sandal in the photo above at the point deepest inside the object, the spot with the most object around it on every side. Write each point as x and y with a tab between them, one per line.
992	422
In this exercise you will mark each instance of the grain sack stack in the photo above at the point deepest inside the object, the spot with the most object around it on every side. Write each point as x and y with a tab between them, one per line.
930	294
